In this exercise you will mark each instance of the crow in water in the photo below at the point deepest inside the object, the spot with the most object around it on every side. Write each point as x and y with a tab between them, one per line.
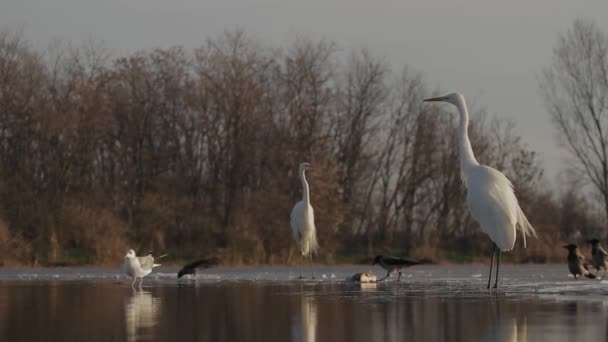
202	263
577	265
599	257
392	264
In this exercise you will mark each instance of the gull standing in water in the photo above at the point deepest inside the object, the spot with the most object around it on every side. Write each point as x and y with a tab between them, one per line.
138	267
303	222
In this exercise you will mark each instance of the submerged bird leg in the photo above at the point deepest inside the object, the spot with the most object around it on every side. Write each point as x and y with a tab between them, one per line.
399	277
491	264
497	267
141	281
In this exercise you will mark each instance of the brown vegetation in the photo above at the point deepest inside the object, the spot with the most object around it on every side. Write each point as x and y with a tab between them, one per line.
196	153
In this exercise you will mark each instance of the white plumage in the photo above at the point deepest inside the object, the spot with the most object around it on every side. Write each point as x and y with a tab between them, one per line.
303	228
303	220
490	195
138	267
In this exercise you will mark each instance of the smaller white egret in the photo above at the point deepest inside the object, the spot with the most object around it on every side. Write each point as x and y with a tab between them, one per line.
138	267
303	222
490	195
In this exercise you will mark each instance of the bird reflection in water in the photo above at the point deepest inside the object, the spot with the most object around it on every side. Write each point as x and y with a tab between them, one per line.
305	326
509	330
142	313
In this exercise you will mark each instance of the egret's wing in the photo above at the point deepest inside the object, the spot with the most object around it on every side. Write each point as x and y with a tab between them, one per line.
146	263
493	204
297	220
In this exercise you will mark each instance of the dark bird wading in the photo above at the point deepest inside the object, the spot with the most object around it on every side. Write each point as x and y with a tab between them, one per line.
577	265
599	257
198	264
393	264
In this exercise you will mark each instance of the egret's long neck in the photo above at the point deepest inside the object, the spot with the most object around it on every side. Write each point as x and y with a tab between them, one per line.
467	158
305	191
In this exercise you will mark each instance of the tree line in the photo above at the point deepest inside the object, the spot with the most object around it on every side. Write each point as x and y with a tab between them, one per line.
196	152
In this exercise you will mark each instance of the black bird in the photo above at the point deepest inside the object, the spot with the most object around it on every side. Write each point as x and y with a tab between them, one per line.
202	263
577	265
392	264
599	257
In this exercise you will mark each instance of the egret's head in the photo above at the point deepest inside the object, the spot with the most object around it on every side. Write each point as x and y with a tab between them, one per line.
453	98
130	254
593	242
377	260
570	247
304	166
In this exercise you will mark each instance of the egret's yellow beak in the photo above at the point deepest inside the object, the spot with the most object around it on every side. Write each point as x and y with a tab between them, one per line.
435	99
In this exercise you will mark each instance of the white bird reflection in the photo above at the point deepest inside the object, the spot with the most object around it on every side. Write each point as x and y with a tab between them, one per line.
142	313
513	329
305	326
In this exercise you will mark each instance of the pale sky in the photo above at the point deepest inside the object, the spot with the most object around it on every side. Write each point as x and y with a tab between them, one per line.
491	51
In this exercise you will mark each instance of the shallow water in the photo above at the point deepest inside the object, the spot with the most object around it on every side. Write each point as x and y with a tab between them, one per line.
430	303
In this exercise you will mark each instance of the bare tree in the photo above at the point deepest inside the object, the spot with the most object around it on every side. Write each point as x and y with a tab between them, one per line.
575	90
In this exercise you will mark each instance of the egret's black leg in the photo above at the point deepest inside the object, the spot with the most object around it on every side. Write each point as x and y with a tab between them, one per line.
491	264
497	267
399	277
311	269
301	266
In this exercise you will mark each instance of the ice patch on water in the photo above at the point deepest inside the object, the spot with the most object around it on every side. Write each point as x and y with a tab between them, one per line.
427	280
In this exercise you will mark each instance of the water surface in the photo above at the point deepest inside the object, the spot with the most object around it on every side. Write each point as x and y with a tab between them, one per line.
430	303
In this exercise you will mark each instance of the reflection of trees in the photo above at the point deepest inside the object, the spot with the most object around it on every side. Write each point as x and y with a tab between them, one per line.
142	313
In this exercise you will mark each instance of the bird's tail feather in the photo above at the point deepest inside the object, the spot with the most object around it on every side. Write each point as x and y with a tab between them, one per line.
524	225
156	265
309	244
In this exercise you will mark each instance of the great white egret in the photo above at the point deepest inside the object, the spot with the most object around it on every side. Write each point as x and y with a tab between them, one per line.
598	256
490	195
392	264
138	267
577	265
303	222
191	268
